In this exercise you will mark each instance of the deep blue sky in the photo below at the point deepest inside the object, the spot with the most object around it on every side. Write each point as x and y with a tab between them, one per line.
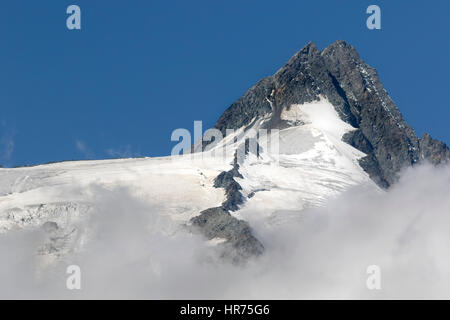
140	69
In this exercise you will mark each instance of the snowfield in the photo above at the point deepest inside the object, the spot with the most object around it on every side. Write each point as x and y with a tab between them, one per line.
312	166
181	185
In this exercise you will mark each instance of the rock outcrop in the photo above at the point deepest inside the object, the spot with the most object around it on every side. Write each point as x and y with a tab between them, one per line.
240	244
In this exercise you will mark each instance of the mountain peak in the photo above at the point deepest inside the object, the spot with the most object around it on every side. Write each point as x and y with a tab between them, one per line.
338	74
340	52
305	55
310	47
340	44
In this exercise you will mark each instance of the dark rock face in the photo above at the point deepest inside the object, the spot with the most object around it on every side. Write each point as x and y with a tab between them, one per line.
434	151
354	89
394	144
218	223
252	104
232	189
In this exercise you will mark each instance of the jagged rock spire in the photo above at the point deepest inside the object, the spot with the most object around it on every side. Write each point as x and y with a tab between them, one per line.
353	87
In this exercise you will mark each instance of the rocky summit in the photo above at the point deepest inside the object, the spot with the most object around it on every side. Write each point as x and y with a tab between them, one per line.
354	89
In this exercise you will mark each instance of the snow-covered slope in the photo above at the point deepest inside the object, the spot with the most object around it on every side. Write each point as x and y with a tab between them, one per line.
30	195
61	198
311	165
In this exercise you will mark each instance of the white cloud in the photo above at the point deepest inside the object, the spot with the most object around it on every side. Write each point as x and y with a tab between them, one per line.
122	152
134	251
83	149
7	135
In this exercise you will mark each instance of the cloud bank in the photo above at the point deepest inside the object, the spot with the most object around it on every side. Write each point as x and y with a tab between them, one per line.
133	250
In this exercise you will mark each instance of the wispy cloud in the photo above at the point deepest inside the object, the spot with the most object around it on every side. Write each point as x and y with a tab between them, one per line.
84	150
7	144
122	152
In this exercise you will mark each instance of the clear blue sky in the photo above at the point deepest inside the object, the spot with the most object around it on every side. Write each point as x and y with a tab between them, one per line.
140	69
